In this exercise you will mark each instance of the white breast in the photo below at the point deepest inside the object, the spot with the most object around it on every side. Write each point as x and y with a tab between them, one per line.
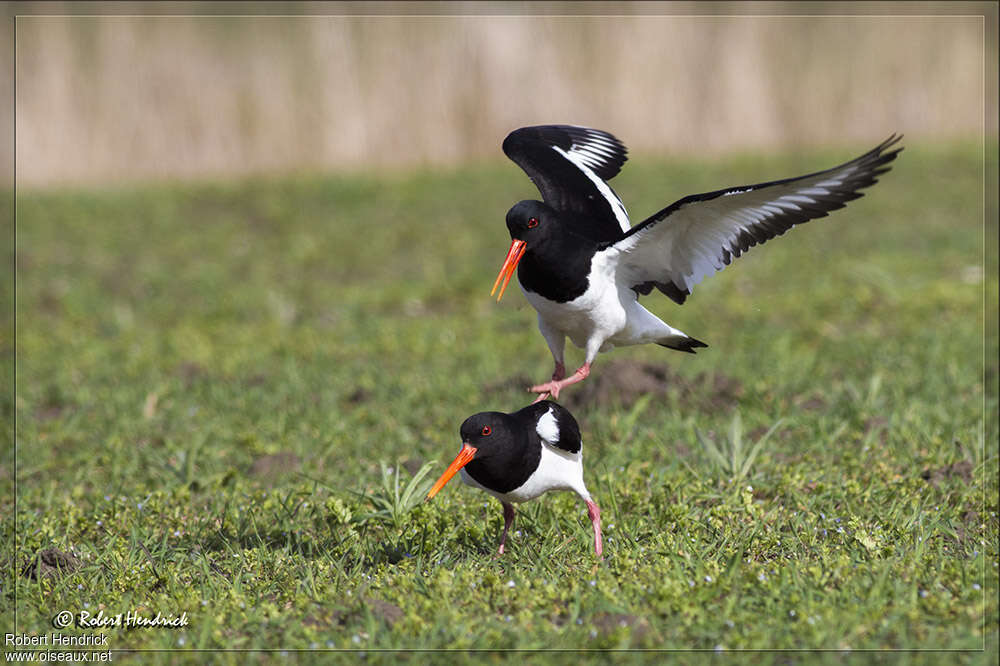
557	470
596	312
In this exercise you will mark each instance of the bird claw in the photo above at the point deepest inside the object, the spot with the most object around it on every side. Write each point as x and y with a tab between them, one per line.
546	390
553	387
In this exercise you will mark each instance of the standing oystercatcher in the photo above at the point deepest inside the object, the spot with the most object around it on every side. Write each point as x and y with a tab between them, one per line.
517	457
582	266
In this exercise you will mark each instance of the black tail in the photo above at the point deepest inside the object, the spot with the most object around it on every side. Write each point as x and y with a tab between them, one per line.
686	345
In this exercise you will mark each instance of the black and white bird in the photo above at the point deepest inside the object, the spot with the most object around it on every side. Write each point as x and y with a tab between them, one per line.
582	266
517	457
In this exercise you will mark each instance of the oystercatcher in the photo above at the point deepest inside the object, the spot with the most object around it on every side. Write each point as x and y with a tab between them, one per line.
582	266
517	457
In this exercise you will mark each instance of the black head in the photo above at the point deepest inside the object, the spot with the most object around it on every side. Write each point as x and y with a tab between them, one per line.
530	224
531	221
487	432
494	448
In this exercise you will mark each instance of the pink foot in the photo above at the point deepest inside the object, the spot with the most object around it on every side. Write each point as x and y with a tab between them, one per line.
557	374
553	387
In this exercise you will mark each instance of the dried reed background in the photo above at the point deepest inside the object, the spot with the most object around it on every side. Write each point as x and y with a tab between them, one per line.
105	99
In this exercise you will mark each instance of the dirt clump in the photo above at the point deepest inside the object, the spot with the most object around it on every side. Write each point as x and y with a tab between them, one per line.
961	469
624	381
269	468
389	612
51	562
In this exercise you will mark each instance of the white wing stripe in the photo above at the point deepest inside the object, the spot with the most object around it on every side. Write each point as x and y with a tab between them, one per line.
698	235
616	205
798	198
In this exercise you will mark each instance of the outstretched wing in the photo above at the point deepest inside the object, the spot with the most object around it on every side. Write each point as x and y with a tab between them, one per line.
570	165
700	234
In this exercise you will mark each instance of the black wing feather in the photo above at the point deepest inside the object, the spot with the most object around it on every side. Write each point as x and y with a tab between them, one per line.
564	184
705	232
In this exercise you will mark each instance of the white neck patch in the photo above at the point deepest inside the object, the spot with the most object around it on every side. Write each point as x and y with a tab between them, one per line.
548	428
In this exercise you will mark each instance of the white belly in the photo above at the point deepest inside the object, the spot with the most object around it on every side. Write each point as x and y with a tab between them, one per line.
557	470
600	312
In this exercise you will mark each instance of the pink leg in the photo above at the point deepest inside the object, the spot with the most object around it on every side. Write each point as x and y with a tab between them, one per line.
559	372
595	517
508	518
555	386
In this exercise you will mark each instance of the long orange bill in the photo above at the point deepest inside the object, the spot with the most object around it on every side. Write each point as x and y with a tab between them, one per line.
463	458
514	254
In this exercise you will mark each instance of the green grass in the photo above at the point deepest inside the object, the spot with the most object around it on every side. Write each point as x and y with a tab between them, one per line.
170	338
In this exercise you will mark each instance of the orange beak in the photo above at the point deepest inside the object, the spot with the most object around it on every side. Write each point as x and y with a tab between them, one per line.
463	458
514	255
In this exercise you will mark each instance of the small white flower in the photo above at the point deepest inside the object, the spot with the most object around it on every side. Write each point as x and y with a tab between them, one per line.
976	586
511	583
593	583
708	579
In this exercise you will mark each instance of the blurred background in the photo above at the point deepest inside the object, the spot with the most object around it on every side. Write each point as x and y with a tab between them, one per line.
107	99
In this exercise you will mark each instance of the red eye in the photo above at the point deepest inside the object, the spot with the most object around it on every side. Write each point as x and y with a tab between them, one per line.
486	431
532	223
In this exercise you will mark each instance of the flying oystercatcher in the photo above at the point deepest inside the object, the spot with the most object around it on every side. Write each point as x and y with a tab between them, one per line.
517	457
582	266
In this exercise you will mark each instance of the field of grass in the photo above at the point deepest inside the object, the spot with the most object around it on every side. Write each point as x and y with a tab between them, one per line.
225	391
